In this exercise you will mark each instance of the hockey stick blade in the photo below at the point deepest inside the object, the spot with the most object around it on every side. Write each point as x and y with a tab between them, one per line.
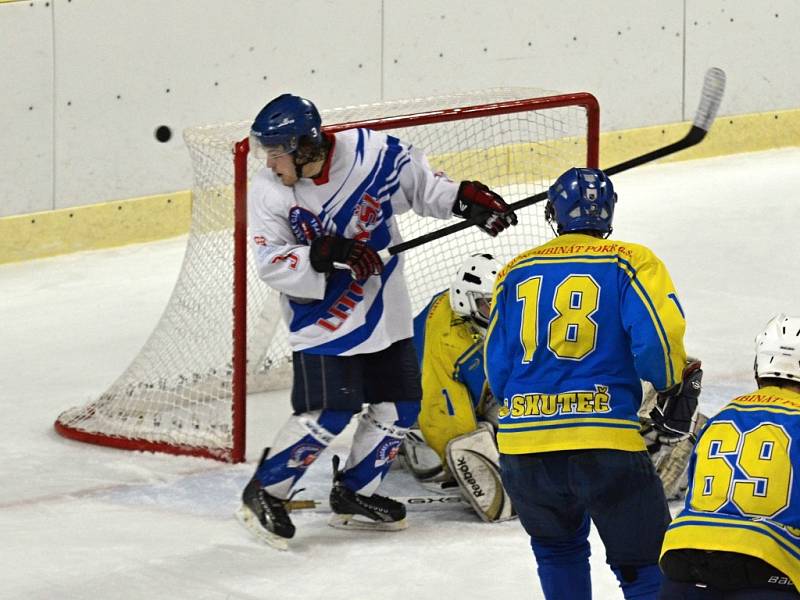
412	503
710	99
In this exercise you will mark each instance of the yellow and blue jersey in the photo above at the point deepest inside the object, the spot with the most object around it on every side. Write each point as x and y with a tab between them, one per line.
451	362
744	494
575	324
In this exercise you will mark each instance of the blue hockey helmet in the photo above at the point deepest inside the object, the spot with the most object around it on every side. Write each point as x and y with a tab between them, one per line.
581	200
284	121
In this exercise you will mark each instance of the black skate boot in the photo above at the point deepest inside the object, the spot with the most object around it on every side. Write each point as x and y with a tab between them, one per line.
265	516
354	511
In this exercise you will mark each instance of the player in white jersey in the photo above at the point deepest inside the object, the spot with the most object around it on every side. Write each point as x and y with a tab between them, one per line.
319	212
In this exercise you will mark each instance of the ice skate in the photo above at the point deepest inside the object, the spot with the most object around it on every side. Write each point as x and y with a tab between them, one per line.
354	511
265	516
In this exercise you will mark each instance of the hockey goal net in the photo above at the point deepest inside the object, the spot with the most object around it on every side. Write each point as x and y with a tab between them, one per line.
220	336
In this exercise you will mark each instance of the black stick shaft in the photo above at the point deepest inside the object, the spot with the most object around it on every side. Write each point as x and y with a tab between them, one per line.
694	136
711	96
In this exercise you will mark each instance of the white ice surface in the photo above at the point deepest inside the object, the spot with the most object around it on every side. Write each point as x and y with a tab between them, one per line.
84	522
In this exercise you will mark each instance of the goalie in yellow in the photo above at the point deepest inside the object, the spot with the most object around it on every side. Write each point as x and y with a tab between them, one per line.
449	336
456	445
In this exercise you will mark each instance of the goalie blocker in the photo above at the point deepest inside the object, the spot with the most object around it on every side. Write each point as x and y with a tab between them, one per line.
475	463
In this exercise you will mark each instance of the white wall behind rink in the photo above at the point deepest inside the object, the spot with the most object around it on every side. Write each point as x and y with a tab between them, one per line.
86	83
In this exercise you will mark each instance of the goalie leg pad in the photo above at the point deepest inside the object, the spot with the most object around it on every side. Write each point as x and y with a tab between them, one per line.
672	460
475	463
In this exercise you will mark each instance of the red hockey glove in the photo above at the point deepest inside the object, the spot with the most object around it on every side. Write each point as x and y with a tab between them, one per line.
476	200
675	414
329	249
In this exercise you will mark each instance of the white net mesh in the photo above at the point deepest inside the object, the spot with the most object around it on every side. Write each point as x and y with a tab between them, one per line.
176	395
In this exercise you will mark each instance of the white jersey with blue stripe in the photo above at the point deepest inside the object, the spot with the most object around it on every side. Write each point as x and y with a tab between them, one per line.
368	178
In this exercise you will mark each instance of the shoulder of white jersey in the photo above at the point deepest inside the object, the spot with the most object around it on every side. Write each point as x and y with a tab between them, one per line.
345	135
265	184
362	142
363	135
265	180
263	177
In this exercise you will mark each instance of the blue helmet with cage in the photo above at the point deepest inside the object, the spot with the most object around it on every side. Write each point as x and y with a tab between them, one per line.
284	121
581	200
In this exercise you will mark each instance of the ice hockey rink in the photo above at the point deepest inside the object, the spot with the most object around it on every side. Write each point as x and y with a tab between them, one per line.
85	522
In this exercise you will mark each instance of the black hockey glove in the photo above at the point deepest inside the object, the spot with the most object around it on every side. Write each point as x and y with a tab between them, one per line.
476	200
675	413
329	249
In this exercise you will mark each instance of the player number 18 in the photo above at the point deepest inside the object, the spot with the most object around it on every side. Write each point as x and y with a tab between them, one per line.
572	333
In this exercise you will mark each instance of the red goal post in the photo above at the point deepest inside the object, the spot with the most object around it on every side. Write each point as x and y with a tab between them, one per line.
185	393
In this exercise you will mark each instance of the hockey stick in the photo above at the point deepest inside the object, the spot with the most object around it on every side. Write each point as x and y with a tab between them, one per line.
710	98
414	503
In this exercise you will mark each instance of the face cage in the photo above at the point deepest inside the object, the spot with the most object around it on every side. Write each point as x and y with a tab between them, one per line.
480	307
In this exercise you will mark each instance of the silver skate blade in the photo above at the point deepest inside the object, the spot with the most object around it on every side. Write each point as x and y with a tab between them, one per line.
353	522
248	519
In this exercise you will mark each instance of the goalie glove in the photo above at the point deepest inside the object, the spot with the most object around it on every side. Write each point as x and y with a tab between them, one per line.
675	413
328	249
475	200
671	460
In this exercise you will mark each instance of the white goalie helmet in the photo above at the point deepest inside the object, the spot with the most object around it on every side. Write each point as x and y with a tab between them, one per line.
778	349
472	287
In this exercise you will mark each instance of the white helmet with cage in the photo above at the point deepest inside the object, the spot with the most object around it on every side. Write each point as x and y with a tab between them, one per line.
472	287
778	349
